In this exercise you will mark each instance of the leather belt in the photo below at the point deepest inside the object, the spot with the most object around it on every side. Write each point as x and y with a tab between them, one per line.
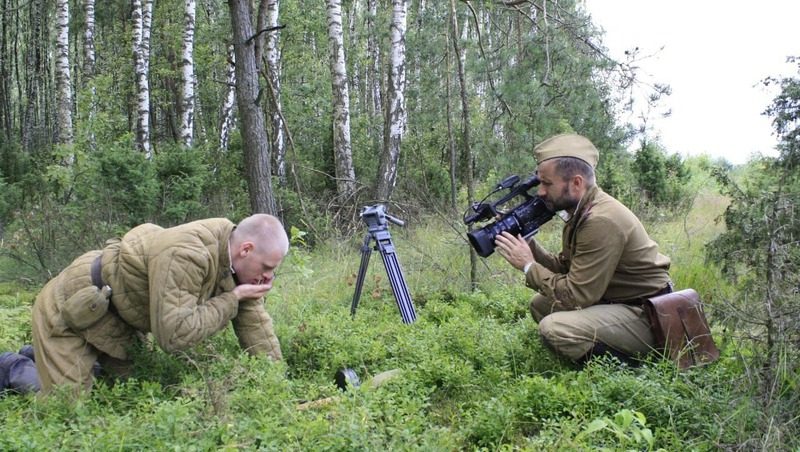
97	272
97	280
639	301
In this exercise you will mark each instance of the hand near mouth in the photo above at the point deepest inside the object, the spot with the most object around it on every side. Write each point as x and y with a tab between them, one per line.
252	291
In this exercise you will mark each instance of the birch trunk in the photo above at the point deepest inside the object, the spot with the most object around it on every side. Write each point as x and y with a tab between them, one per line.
375	59
89	65
89	57
273	57
254	132
396	108
228	118
142	21
64	132
187	75
342	147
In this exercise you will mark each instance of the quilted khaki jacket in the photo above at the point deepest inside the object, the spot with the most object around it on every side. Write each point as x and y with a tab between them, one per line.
177	284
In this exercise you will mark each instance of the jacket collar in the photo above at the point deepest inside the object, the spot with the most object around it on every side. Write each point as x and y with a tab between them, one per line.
584	206
226	278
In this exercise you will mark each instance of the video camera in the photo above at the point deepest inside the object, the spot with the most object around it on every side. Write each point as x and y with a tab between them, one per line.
525	219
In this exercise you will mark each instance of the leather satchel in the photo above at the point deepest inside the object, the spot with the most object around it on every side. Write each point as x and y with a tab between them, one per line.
680	328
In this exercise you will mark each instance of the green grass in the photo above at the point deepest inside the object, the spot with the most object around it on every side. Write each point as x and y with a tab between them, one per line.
473	373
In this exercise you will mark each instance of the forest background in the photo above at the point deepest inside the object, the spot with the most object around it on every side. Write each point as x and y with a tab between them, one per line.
172	111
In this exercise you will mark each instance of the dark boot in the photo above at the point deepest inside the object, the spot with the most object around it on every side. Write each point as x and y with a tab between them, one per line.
18	373
27	350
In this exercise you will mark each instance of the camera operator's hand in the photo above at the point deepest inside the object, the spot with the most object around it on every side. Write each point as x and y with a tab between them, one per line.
514	249
252	291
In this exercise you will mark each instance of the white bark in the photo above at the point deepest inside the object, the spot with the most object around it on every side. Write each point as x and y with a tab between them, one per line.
228	117
89	64
147	27
273	57
64	133
142	21
187	75
342	147
88	39
375	58
396	107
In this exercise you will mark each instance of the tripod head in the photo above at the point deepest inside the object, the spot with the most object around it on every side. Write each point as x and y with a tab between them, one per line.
377	218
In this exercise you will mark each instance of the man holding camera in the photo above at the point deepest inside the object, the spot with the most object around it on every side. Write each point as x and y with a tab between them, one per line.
182	284
589	299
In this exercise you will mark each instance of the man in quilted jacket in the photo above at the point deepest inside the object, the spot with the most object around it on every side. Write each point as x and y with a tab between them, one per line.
182	284
589	299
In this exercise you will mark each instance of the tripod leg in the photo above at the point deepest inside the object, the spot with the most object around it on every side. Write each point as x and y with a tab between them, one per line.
366	251
399	288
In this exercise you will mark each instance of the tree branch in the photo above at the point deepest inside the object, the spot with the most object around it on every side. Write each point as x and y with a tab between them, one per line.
483	54
265	30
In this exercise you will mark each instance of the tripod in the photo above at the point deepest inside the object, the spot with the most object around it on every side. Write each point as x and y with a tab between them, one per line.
377	223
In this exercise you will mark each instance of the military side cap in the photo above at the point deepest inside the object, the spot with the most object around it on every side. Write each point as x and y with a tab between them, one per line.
567	145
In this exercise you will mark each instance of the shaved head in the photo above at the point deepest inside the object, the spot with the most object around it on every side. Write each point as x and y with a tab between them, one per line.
264	230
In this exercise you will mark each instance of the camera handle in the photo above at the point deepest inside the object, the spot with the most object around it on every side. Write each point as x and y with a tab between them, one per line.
379	231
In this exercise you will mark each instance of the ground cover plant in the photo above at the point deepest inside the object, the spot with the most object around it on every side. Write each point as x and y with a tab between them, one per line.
472	371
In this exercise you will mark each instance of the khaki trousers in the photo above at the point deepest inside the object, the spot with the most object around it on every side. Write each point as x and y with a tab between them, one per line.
574	333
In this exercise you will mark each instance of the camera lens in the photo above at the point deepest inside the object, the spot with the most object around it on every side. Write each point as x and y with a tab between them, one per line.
483	239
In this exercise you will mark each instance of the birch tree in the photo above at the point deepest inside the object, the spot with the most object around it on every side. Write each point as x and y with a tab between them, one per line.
254	133
375	59
187	75
342	146
89	57
142	22
227	116
89	63
273	57
396	108
64	132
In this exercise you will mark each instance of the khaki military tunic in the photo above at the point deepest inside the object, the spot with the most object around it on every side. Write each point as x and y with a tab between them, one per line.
175	283
587	293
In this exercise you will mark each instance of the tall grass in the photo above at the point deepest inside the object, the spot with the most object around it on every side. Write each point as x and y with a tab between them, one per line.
473	373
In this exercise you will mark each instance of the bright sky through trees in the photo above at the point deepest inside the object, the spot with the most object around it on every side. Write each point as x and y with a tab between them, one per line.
715	54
